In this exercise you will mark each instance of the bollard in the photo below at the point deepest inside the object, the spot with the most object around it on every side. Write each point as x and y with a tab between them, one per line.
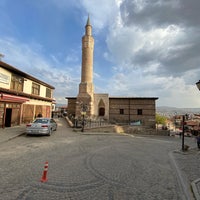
44	176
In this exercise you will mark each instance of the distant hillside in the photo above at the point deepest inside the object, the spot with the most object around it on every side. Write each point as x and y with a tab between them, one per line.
61	105
165	110
172	110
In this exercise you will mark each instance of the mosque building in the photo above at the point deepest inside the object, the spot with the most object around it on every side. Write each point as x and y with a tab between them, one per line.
130	110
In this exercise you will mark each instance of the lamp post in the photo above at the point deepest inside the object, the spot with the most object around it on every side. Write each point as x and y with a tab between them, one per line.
185	117
84	109
83	120
83	112
183	133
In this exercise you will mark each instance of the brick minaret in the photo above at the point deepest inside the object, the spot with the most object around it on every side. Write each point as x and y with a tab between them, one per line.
86	88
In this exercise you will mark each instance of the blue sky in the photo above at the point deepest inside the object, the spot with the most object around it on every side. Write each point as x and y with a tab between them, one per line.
142	48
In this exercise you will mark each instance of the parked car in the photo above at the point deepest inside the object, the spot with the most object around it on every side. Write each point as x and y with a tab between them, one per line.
175	133
188	134
41	126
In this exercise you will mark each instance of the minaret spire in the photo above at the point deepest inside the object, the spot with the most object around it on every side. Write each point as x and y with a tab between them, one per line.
88	27
88	21
87	54
86	88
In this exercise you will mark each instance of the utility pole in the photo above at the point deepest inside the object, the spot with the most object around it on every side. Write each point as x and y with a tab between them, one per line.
183	133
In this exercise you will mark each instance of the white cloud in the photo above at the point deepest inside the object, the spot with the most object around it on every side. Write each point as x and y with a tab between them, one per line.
171	91
127	43
102	12
152	47
160	60
32	61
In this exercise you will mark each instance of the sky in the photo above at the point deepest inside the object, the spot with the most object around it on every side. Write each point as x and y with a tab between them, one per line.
143	48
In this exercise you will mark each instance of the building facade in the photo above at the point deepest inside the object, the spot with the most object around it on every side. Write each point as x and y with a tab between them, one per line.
131	110
22	97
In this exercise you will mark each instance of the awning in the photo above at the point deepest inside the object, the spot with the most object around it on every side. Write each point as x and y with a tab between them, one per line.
12	98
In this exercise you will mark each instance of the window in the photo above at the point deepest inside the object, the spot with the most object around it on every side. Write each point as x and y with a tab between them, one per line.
35	88
42	121
17	83
48	92
121	111
139	111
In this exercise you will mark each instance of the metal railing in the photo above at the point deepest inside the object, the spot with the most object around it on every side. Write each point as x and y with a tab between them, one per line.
88	123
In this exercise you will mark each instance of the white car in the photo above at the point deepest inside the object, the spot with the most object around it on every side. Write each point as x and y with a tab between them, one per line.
41	126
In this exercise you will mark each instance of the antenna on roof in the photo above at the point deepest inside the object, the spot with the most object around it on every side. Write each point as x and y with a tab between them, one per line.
1	56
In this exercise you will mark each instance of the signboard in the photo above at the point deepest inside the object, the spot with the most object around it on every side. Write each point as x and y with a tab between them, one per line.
136	123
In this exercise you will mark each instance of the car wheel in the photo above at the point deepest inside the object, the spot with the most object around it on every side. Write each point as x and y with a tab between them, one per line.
50	131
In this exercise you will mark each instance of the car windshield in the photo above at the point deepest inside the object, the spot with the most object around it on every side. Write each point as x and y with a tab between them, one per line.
42	121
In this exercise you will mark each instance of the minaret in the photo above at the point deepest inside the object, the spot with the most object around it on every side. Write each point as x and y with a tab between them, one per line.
86	88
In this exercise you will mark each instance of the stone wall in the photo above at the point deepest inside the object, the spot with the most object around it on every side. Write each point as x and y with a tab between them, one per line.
135	130
71	107
131	110
122	110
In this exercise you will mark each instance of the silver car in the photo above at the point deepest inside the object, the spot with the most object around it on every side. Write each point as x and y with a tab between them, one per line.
41	126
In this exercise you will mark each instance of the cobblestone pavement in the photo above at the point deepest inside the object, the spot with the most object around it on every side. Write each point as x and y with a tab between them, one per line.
10	133
96	173
188	164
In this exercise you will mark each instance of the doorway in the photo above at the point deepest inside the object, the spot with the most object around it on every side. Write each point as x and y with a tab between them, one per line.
8	117
101	111
101	108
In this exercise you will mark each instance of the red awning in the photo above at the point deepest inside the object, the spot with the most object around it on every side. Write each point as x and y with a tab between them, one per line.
12	98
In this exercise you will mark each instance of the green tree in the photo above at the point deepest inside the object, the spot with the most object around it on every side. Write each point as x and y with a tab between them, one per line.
161	119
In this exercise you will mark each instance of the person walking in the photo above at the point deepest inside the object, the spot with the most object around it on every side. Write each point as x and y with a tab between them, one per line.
198	140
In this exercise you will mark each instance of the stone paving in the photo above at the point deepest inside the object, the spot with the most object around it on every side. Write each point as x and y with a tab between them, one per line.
10	133
187	164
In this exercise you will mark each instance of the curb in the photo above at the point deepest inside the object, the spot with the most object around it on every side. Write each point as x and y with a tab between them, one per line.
182	179
194	188
12	137
18	135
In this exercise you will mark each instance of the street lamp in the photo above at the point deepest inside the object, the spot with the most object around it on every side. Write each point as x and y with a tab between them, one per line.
83	120
185	117
83	113
198	84
183	132
84	109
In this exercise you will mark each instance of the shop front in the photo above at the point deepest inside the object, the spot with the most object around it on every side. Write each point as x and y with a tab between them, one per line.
10	109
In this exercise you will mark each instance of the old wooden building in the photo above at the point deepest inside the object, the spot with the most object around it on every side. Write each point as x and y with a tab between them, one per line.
22	96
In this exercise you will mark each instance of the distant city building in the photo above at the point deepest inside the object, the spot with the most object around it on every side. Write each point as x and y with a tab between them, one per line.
22	97
132	110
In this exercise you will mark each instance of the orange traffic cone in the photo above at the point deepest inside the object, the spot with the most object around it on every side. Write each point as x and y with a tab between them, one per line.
44	176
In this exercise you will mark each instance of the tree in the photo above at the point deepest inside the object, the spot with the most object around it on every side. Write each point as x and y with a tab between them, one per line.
161	119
